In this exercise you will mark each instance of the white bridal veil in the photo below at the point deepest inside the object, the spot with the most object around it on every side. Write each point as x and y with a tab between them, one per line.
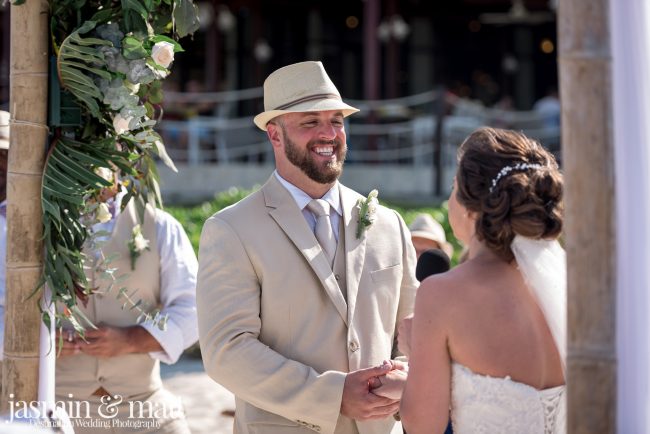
543	265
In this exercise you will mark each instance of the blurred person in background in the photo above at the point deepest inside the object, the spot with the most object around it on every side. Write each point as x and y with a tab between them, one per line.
427	233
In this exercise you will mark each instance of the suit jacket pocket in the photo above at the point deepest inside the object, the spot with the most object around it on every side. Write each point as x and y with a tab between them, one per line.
393	272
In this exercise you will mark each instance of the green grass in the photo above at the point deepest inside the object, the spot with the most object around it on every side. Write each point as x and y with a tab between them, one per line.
192	218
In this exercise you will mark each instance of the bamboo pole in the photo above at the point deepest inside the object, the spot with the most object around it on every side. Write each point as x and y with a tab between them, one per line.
588	157
28	130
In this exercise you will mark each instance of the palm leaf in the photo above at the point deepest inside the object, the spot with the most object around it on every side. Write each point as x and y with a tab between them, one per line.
76	60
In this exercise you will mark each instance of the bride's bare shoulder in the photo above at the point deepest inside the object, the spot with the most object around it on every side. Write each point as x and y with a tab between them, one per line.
459	288
442	290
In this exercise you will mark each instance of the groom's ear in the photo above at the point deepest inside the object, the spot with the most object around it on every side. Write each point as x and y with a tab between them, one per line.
274	133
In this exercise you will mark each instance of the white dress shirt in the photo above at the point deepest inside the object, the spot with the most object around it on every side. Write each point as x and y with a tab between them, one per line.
178	268
302	200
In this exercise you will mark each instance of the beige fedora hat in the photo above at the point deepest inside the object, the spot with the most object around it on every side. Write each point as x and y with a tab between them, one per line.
4	130
300	87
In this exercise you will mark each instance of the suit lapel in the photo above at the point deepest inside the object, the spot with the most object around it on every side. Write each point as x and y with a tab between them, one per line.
285	212
355	249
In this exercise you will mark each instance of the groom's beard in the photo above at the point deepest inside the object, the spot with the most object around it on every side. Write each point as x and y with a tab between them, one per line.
324	173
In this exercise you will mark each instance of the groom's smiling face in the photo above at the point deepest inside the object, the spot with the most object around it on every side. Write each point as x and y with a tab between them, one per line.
315	143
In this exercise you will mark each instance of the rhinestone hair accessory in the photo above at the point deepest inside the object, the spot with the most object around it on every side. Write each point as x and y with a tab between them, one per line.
506	170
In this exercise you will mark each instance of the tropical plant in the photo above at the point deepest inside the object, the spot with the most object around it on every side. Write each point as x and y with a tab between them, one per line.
111	55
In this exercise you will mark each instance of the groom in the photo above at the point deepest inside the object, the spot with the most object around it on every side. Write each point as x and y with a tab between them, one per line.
297	313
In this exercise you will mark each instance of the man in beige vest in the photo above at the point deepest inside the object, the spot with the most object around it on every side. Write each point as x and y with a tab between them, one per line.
111	382
298	307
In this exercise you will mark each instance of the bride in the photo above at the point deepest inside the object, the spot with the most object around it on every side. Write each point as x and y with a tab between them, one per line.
487	340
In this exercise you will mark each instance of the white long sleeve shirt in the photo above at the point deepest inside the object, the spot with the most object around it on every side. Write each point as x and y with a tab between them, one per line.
178	268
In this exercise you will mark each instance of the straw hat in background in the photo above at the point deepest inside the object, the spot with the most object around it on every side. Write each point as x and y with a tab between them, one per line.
427	233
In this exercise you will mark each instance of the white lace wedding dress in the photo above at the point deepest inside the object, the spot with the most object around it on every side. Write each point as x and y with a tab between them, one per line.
482	404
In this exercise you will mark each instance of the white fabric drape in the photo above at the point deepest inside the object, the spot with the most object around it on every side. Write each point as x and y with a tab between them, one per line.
630	32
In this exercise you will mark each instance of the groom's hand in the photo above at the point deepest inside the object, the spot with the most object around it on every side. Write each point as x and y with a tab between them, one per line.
392	384
359	403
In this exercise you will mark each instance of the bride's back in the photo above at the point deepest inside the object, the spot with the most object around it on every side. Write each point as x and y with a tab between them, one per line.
495	326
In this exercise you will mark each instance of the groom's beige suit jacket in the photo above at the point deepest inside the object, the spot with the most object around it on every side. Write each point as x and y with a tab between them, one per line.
276	329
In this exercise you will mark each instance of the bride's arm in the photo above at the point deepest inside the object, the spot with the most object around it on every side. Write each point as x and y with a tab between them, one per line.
425	401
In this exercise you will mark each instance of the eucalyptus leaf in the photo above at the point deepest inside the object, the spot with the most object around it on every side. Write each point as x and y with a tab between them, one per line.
132	48
164	156
79	312
185	17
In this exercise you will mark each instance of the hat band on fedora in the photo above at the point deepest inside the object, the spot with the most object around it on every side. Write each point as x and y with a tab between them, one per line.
308	98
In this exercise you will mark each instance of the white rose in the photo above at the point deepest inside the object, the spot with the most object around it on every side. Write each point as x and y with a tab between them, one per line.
104	173
140	243
103	214
121	124
163	53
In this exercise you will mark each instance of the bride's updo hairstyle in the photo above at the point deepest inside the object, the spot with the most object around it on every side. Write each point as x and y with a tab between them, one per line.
512	184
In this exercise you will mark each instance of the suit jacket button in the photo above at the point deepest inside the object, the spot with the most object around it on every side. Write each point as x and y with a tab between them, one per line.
337	277
353	346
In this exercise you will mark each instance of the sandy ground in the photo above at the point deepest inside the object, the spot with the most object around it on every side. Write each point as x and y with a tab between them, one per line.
204	399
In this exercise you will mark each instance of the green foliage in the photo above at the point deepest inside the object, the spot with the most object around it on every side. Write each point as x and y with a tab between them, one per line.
110	57
193	217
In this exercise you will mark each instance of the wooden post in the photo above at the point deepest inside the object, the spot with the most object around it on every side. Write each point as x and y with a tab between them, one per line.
28	131
588	156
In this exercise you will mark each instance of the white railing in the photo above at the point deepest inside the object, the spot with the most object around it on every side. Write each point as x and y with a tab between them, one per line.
411	140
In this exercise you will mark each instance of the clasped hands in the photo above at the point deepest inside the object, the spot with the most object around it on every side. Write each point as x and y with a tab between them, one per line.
104	341
374	393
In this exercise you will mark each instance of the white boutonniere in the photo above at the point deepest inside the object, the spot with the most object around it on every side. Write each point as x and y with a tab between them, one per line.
367	209
103	213
137	244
